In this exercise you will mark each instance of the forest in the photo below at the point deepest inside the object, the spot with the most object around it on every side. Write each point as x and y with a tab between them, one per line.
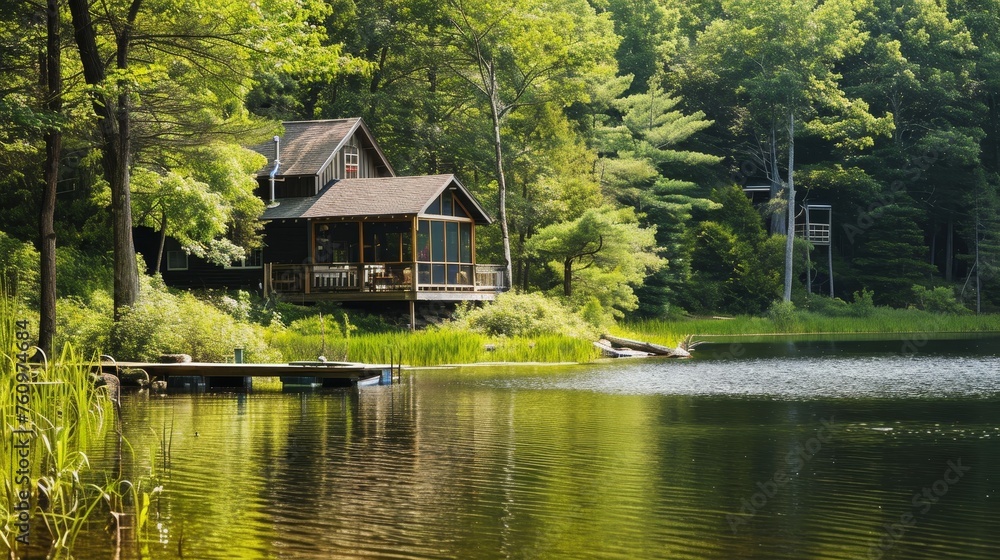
611	139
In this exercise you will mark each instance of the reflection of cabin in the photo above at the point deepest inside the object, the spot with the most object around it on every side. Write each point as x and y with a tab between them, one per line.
341	226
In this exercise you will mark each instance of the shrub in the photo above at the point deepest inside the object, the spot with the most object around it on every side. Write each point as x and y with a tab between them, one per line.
513	314
782	313
864	303
938	300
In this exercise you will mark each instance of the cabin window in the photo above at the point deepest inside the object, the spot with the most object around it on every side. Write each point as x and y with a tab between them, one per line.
447	204
444	250
254	259
337	243
177	260
351	162
388	242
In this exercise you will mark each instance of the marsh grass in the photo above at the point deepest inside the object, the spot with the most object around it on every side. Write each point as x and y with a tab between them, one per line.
65	414
433	347
880	320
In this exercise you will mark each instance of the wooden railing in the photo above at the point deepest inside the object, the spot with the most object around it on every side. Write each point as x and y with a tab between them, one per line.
818	234
379	277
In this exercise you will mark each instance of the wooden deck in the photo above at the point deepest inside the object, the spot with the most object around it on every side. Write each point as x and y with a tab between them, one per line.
383	282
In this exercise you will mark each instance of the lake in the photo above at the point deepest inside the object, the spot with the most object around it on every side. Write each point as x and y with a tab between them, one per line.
755	449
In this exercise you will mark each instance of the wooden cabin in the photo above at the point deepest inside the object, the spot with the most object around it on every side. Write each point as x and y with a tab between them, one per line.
340	225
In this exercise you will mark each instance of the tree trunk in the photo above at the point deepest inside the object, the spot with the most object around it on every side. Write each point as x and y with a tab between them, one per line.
790	239
949	252
777	218
53	148
163	241
501	179
114	125
568	277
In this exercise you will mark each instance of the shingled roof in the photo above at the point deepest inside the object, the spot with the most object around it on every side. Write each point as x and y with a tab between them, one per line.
306	146
371	197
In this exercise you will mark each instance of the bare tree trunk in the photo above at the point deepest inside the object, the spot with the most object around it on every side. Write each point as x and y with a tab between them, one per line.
790	239
501	178
53	148
777	218
114	124
568	277
949	251
163	241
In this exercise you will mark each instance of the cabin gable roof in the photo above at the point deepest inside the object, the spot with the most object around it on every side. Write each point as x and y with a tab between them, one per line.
383	196
309	146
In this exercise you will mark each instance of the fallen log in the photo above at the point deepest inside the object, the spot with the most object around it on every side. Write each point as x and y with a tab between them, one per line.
656	349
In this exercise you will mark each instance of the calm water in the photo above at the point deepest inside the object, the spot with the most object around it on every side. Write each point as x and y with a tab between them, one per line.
754	450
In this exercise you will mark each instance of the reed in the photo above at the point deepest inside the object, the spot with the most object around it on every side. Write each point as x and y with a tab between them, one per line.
61	413
880	320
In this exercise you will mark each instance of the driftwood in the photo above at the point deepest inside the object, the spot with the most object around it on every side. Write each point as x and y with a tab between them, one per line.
611	352
654	349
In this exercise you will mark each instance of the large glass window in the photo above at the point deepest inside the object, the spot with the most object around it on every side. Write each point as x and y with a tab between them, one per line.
388	242
337	242
447	205
445	251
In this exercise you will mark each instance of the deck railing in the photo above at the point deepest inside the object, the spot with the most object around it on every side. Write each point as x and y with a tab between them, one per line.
377	277
818	234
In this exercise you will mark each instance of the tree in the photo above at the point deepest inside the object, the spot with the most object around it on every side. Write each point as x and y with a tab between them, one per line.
53	150
520	54
209	207
891	260
779	58
645	166
160	77
602	254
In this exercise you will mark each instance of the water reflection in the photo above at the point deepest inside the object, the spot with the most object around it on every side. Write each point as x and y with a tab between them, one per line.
626	460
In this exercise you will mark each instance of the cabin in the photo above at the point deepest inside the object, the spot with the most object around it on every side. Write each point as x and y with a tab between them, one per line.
341	226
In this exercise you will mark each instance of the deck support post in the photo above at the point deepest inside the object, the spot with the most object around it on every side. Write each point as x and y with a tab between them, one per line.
413	315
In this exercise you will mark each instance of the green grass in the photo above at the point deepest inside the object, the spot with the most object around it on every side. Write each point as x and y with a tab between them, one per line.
881	320
433	347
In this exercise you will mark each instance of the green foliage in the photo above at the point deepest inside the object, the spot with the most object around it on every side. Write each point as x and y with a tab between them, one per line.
782	313
19	262
864	303
602	254
162	322
523	315
890	258
938	300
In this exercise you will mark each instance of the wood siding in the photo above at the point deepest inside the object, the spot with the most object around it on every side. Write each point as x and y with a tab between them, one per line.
200	273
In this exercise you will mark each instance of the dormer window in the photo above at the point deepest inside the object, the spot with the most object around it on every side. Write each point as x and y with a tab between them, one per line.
351	162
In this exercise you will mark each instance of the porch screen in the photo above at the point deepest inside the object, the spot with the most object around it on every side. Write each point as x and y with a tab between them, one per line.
388	242
337	243
444	252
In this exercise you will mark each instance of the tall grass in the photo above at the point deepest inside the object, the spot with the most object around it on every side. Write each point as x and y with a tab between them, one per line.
879	320
64	414
434	347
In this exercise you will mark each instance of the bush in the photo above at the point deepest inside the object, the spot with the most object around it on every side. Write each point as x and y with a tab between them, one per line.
938	300
864	303
513	314
782	313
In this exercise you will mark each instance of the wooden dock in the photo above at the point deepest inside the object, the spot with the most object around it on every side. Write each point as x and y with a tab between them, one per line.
295	373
